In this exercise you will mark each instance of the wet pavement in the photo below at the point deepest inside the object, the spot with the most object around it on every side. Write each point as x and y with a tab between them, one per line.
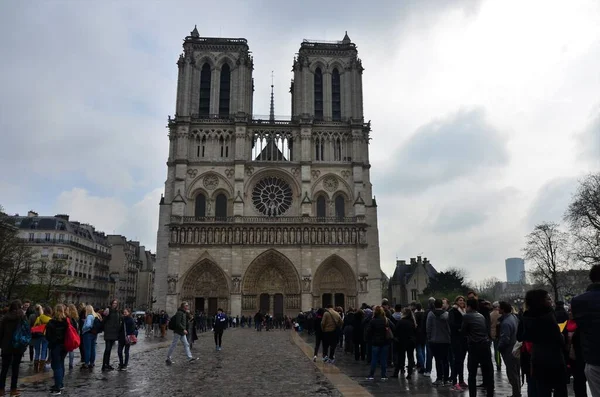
250	364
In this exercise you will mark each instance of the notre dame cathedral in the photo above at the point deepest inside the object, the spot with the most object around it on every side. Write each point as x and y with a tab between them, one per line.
265	213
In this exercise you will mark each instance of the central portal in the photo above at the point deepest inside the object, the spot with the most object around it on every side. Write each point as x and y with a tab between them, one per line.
271	285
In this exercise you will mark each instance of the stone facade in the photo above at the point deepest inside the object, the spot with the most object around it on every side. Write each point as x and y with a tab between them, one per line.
267	214
410	280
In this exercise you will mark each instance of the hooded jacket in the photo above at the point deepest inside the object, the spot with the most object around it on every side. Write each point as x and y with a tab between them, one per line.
438	329
376	331
8	325
586	313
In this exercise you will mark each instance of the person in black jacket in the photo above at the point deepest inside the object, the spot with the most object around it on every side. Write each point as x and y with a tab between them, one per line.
377	336
55	334
560	312
459	343
405	337
11	356
127	329
421	337
318	333
112	324
179	333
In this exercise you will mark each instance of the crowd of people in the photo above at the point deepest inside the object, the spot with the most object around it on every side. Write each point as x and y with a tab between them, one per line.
541	344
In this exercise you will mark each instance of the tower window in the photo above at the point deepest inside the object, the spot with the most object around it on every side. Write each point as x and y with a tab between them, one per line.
205	76
340	207
224	90
321	207
336	104
319	152
200	206
221	206
318	94
203	146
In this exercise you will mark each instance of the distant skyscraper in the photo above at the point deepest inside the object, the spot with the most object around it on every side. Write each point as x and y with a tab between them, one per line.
515	270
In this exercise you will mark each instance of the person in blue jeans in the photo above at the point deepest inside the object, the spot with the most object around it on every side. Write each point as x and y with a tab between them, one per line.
380	344
55	333
89	335
220	325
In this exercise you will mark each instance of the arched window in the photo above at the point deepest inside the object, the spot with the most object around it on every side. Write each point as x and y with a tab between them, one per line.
336	103
200	206
221	206
224	90
340	207
321	207
205	76
318	94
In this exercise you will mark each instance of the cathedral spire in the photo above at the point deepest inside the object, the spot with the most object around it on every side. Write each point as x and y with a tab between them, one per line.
346	39
194	33
272	109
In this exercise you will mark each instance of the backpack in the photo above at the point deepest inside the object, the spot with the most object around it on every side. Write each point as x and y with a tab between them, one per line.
72	340
22	335
172	322
97	326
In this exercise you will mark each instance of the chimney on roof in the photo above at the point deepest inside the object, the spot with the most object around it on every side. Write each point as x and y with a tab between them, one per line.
31	214
419	260
425	261
400	263
413	261
62	216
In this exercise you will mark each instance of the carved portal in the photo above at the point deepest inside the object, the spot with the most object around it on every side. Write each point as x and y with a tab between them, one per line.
206	280
335	276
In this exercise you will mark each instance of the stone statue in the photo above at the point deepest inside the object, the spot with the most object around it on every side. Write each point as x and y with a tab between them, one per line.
363	283
236	284
307	282
172	282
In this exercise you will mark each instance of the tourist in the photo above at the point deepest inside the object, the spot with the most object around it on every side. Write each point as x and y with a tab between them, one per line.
404	343
331	323
548	366
162	322
55	333
586	312
148	323
73	316
348	331
438	339
258	320
507	337
421	337
35	312
358	336
126	331
560	312
81	313
219	327
377	335
29	314
575	361
192	335
91	328
112	324
11	356
474	328
494	325
318	334
459	343
428	351
41	343
179	333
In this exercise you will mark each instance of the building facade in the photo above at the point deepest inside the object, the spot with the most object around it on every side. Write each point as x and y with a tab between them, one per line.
71	258
266	214
145	284
410	280
124	268
515	270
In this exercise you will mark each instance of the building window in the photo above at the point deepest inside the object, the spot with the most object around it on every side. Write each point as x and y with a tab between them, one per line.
47	236
318	94
44	252
224	90
319	150
321	207
414	294
340	207
336	104
205	76
200	206
337	149
224	147
61	237
31	236
221	206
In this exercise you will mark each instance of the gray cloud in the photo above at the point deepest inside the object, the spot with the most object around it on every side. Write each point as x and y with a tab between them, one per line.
589	140
551	201
443	150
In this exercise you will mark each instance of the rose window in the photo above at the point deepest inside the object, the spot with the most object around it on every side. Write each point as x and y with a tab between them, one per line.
272	196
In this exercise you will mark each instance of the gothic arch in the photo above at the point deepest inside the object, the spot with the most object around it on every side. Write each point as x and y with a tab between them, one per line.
226	59
196	185
271	272
335	276
204	59
277	172
318	63
342	186
337	64
205	280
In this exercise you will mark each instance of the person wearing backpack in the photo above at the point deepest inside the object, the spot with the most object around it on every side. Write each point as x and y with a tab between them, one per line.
56	330
178	324
89	333
11	354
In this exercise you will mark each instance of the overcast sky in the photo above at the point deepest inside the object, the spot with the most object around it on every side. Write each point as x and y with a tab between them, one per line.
484	114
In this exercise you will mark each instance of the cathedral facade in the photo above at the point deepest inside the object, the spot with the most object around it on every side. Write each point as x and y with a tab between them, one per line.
264	213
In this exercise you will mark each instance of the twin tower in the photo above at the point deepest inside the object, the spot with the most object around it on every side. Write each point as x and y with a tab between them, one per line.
260	213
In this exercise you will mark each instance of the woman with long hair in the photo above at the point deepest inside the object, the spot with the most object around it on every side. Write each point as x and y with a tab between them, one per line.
81	313
405	334
55	333
89	333
73	316
548	369
11	356
40	345
37	310
127	329
459	343
377	331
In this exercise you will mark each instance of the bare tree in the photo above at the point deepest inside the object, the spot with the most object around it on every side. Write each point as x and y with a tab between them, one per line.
547	250
487	288
51	278
583	216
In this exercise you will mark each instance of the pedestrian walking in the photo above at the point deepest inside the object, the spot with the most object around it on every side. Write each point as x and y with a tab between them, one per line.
11	354
55	333
331	324
179	326
318	317
219	326
112	324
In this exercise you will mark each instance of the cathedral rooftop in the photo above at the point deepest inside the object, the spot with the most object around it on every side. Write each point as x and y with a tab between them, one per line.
195	38
343	44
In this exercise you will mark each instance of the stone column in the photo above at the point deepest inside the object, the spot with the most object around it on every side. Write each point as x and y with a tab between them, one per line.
327	109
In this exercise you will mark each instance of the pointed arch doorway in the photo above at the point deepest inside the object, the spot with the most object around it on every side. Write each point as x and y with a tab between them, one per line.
206	288
335	284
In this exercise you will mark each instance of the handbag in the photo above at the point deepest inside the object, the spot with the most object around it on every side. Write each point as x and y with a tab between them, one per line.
72	339
389	335
38	330
516	351
131	339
